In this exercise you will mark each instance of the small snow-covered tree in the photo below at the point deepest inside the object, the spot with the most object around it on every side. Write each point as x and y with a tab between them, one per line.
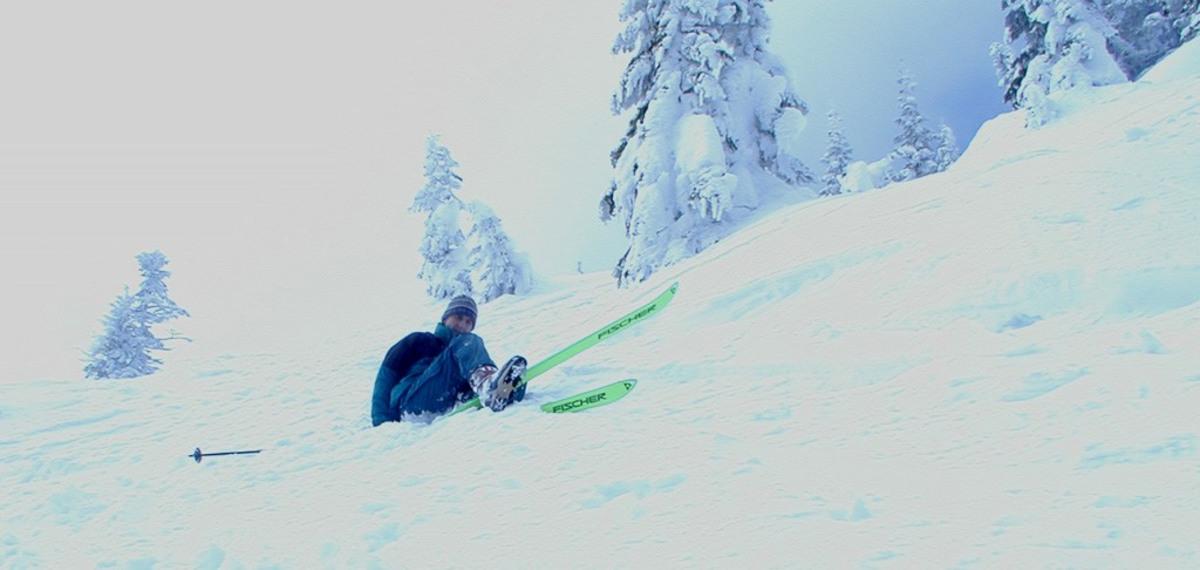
714	126
498	268
1063	45
440	179
837	157
445	269
443	247
122	351
947	150
152	295
915	154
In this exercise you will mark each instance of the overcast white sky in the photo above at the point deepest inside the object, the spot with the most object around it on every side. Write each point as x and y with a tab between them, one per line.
246	132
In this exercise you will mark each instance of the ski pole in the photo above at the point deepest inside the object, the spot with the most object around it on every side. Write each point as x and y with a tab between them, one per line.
197	455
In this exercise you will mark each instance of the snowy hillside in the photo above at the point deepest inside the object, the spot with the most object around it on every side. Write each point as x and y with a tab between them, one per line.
995	366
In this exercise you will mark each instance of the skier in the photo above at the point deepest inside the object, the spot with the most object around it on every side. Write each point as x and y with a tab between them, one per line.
425	375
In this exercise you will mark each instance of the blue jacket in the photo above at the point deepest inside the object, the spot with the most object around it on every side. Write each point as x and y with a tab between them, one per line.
404	363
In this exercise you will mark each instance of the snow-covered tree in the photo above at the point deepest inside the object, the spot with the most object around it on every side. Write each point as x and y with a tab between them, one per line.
498	268
915	154
440	179
714	125
122	350
1023	32
152	295
445	270
1063	44
1076	42
1147	30
1188	21
837	157
947	151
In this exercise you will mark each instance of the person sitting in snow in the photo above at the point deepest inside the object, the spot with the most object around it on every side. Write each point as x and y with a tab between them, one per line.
425	375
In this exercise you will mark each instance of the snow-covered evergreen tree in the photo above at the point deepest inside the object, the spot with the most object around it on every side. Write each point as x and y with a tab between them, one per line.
947	151
440	179
915	154
446	271
122	351
1075	42
152	295
1188	21
1023	32
837	157
1063	45
1147	30
495	263
714	122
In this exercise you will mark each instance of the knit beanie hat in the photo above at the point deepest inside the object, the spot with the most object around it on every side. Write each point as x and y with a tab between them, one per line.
462	305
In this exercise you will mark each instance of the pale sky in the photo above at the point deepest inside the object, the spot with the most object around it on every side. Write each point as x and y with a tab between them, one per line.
847	55
258	135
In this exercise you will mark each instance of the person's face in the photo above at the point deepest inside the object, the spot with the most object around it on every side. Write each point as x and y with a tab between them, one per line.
460	323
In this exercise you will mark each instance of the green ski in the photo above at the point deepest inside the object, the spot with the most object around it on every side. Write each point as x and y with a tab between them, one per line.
591	399
636	316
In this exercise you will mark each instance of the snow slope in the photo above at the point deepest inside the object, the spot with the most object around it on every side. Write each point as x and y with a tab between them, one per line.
995	366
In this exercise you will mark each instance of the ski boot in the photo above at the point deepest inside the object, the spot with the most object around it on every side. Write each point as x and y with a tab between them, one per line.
497	389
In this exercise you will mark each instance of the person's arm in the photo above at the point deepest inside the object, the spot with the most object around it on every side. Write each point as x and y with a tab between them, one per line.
391	371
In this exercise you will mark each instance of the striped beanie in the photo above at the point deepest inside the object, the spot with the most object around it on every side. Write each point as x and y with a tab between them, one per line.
462	305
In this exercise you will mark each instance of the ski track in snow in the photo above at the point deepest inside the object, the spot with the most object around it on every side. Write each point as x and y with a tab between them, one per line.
991	367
